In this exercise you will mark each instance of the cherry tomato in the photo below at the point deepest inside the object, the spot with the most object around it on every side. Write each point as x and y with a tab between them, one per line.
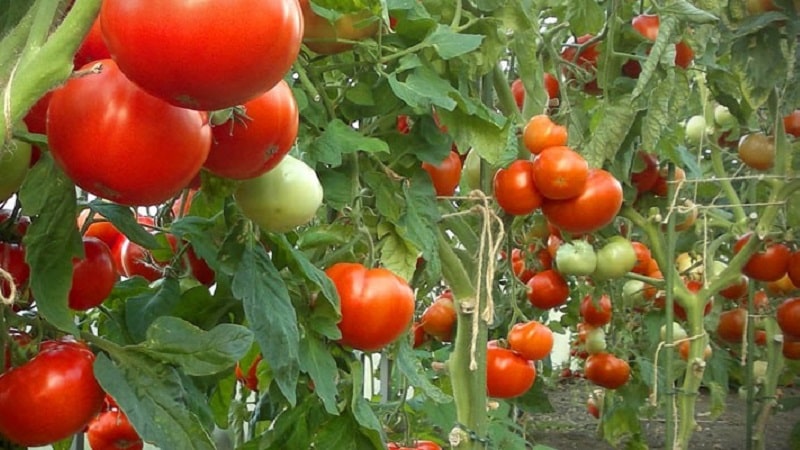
111	430
607	370
592	209
769	264
532	340
508	374
93	276
560	173
445	175
541	132
439	319
515	190
377	305
547	289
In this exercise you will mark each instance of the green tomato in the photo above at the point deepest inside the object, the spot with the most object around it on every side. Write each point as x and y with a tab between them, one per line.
576	258
471	173
633	293
15	157
678	332
695	129
723	117
616	258
595	341
283	198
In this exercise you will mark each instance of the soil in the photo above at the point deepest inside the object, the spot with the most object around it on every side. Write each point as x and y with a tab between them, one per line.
571	427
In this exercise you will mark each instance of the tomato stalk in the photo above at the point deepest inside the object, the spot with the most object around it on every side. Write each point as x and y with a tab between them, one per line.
769	390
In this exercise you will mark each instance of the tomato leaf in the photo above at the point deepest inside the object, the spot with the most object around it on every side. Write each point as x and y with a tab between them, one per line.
52	240
412	369
197	230
688	12
397	254
339	139
419	222
317	361
525	44
491	135
336	188
142	310
659	112
423	88
198	352
268	309
616	120
759	71
369	424
449	44
585	16
122	217
151	395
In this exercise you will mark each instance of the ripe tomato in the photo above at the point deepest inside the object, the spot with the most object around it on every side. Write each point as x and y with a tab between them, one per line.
193	55
685	346
614	259
660	187
793	268
417	445
283	198
757	151
593	209
586	60
647	25
327	38
139	261
606	370
645	178
150	149
111	430
769	264
99	228
445	175
730	327
788	316
377	305
791	123
16	158
551	85
532	340
92	48
249	380
596	312
736	290
59	381
643	257
418	335
541	132
518	91
547	289
93	276
684	55
515	190
12	260
791	347
508	374
439	319
560	173
255	139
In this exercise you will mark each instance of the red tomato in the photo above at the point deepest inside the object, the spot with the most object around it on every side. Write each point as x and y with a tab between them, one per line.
541	132
551	85
93	276
596	312
685	346
150	149
791	123
560	173
606	370
417	445
203	55
684	55
532	340
445	175
12	260
736	290
547	289
377	305
255	140
111	430
592	209
788	316
793	268
769	264
643	257
439	319
515	190
644	179
92	48
100	228
250	380
660	186
418	334
508	374
586	60
518	91
328	37
647	25
57	387
730	327
791	347
137	260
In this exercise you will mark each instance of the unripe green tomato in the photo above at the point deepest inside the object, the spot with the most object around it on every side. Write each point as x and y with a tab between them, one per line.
723	117
283	198
678	332
695	129
616	258
15	157
576	258
595	341
471	173
633	293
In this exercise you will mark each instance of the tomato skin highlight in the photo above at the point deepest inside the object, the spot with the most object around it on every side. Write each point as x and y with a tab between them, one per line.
139	150
59	380
193	57
377	305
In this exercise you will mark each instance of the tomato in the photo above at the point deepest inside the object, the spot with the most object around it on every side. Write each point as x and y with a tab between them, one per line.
532	340
377	305
782	287
594	208
93	276
647	25
518	91
327	38
59	381
150	149
788	316
508	374
111	430
576	258
417	445
793	268
596	312
12	260
736	290
614	259
560	173
446	175
607	370
685	346
730	327
541	132
99	228
515	190
593	405
551	85
754	7
439	319
595	341
644	180
723	117
757	151
36	121
791	347
769	264
92	48
693	286
586	60
791	123
255	139
660	187
283	198
14	163
418	335
547	289
193	56
249	380
643	257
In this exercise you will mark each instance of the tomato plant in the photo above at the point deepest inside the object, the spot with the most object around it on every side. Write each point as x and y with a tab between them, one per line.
508	374
328	37
13	165
583	52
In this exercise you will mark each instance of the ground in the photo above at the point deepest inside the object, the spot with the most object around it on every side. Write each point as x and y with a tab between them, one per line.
572	427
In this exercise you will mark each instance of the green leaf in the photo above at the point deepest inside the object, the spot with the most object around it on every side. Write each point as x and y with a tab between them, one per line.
397	254
616	120
688	12
412	369
199	353
336	187
419	222
316	360
423	88
52	240
666	30
142	310
386	199
122	217
269	313
449	44
759	71
359	406
339	139
585	16
151	395
658	116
